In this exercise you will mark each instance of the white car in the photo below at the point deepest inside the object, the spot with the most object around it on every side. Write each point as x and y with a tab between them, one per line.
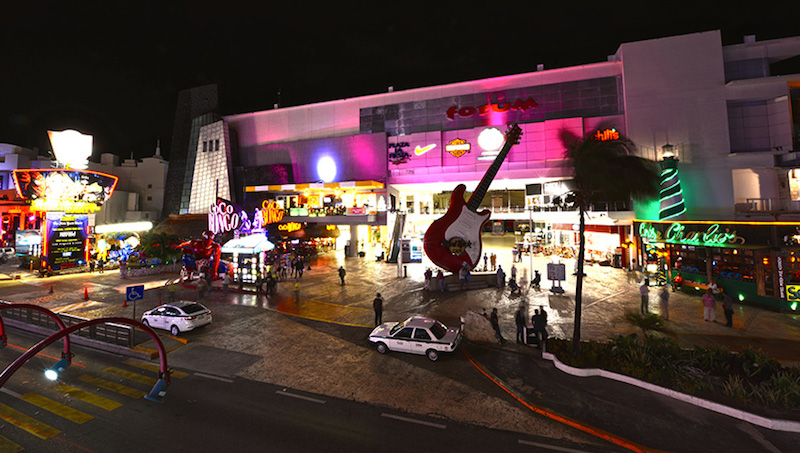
177	317
416	335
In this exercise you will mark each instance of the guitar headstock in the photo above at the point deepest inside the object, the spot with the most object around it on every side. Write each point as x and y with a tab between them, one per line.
513	134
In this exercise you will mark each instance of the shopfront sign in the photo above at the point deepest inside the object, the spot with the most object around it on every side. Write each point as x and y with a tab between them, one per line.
397	153
677	233
457	147
224	216
271	212
67	236
499	107
781	277
289	227
793	293
606	135
357	211
297	212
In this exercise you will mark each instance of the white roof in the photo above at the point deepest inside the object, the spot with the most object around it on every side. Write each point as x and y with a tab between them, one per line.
252	244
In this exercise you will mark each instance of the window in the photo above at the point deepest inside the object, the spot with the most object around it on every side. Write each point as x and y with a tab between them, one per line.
149	186
421	334
405	333
205	147
149	198
216	145
439	330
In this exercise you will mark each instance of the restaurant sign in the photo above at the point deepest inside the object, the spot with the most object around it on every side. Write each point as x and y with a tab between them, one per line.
678	233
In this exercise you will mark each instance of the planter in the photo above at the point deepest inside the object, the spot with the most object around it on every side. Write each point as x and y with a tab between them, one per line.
150	270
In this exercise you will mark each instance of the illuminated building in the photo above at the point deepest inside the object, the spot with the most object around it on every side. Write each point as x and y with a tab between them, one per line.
727	116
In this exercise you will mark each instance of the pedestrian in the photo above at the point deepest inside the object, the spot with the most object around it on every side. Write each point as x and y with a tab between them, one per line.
501	277
513	285
201	288
644	290
259	281
727	305
440	277
297	292
172	289
496	325
519	319
300	268
342	273
514	255
485	262
377	305
663	300
540	327
537	279
226	280
709	304
462	277
100	265
493	260
514	271
428	278
91	266
676	282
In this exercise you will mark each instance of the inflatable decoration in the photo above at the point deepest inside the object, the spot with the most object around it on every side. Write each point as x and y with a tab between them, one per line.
201	249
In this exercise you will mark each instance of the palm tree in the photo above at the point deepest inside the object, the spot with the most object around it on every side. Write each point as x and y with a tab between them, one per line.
603	171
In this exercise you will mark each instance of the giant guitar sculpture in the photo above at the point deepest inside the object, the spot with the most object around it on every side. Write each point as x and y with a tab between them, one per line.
454	240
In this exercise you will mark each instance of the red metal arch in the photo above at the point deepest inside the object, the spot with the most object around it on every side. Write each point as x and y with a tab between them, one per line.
55	317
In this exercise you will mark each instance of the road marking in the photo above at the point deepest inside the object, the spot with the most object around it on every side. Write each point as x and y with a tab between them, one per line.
412	420
294	395
10	392
75	306
113	386
91	398
6	446
29	424
550	447
45	355
57	408
154	367
209	376
130	375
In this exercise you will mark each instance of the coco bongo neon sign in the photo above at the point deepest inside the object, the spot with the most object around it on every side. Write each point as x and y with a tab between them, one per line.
676	233
224	216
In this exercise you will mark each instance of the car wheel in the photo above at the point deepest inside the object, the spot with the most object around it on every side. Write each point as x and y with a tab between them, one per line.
145	322
433	354
174	330
382	348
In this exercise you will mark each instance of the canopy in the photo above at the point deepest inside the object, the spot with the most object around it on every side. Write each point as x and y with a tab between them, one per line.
252	244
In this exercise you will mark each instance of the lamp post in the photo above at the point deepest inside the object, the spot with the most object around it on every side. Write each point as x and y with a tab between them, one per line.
72	149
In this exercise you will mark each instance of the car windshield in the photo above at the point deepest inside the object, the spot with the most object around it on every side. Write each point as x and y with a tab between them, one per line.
439	330
193	308
397	327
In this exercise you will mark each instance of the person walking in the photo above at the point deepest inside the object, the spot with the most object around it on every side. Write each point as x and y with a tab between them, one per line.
663	301
501	277
201	288
493	260
91	266
496	325
727	306
536	320
226	280
519	320
485	262
462	277
644	290
172	290
709	304
428	279
342	273
440	277
377	305
513	271
537	280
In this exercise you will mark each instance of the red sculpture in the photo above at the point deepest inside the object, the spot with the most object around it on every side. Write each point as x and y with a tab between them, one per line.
199	250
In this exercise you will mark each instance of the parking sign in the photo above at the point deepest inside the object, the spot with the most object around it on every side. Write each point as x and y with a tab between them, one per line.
134	293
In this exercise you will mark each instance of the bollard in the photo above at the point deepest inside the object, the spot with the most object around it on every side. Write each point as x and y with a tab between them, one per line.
405	271
51	289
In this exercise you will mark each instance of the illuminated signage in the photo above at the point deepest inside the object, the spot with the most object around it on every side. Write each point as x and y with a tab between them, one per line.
289	227
71	148
422	150
793	293
67	237
677	233
397	154
606	135
271	212
781	277
466	112
330	227
223	217
356	211
65	190
457	147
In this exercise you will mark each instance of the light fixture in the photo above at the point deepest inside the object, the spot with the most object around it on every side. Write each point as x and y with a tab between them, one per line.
668	151
54	371
490	139
71	148
326	169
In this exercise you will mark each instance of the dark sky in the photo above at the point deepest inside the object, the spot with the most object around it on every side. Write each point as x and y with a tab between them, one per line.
114	71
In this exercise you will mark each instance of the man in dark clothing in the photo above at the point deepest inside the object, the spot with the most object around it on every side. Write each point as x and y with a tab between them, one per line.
539	320
519	319
537	280
496	325
342	273
727	306
377	304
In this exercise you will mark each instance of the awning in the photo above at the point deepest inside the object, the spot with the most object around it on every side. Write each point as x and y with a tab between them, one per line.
363	185
252	244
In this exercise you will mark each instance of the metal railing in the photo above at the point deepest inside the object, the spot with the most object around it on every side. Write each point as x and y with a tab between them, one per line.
116	334
768	205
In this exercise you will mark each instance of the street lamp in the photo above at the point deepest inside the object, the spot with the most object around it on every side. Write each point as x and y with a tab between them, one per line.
72	149
54	371
158	391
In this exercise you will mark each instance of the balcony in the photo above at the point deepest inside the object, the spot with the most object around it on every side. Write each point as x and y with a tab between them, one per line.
769	209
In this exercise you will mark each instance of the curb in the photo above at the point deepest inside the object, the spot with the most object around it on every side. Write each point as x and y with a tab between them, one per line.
764	422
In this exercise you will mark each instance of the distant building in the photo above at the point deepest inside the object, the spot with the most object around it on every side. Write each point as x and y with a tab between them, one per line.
13	157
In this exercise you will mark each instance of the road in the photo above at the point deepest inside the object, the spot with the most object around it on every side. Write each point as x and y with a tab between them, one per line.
96	406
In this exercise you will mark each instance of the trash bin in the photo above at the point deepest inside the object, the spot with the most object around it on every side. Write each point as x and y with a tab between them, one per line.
346	250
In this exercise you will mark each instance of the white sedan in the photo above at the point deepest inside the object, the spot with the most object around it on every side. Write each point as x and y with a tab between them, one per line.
177	317
416	335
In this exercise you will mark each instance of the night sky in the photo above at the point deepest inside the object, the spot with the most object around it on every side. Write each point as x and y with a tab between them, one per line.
115	71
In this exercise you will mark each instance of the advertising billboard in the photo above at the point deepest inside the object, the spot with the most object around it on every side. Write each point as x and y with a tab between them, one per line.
75	191
66	241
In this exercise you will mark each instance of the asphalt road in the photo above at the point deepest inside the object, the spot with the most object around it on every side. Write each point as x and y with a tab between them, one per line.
203	412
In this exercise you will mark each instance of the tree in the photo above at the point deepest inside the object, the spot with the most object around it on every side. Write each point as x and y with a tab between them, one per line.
603	171
159	245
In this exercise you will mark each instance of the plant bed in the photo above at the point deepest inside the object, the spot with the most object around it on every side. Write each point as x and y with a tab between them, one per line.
749	381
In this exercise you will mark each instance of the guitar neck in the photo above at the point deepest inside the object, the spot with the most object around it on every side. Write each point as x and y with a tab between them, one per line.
480	191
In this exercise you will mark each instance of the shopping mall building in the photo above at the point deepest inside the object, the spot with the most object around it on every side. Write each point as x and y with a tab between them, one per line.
719	119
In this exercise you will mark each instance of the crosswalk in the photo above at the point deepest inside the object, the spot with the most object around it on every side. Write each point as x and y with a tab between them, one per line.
44	415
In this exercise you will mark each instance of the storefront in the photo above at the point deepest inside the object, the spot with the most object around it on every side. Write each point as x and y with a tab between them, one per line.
247	254
756	262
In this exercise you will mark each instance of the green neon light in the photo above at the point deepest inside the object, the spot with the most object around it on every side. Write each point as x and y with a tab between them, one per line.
793	306
741	297
676	233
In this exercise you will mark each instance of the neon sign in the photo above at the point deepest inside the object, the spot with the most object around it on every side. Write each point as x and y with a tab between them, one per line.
466	112
271	212
420	151
606	135
223	217
676	233
289	227
457	147
71	207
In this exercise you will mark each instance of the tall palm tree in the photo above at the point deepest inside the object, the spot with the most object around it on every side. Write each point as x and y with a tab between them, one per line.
603	171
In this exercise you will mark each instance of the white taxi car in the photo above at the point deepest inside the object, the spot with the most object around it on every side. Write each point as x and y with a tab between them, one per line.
416	335
177	317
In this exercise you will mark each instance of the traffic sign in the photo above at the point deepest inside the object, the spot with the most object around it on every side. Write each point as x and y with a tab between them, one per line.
134	293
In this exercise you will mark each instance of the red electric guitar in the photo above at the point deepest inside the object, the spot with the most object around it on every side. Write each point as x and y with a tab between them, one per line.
455	239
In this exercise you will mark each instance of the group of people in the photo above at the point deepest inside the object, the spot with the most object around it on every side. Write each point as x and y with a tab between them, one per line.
487	259
709	299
